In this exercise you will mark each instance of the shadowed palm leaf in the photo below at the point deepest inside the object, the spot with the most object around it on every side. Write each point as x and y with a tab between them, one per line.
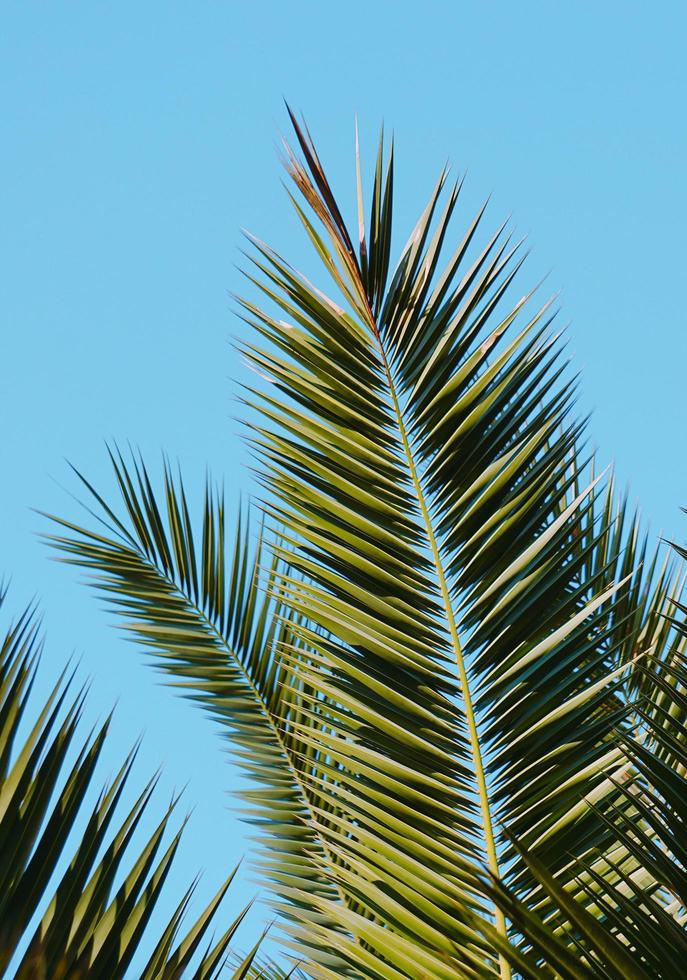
96	919
640	898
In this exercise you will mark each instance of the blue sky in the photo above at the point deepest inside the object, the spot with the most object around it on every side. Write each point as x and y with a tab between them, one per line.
140	138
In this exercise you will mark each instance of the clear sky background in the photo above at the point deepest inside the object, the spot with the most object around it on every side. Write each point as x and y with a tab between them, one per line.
138	138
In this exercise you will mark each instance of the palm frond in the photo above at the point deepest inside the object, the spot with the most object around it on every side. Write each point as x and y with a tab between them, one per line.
640	901
202	605
468	588
97	916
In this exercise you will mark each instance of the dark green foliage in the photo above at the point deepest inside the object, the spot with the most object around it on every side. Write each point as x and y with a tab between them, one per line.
99	909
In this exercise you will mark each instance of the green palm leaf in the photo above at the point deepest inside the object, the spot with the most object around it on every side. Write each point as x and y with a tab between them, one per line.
98	915
477	587
637	930
197	603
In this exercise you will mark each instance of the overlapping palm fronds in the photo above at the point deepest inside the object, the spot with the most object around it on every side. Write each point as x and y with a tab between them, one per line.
81	909
637	893
458	628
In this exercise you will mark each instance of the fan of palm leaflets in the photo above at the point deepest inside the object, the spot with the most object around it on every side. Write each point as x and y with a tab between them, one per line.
455	614
201	603
94	921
